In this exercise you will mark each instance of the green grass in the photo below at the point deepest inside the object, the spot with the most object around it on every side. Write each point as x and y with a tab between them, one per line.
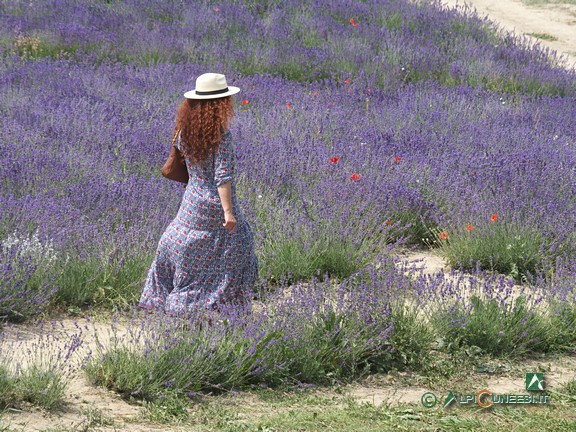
568	390
169	407
304	410
329	409
543	36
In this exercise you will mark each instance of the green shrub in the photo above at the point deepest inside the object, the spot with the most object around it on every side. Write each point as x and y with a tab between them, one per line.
507	249
563	323
497	328
114	283
410	343
6	387
290	250
294	260
43	388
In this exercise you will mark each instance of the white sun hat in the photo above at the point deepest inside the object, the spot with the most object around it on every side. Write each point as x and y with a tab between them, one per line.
211	86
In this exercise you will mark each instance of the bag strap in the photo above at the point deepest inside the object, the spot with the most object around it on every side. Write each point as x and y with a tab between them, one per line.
175	136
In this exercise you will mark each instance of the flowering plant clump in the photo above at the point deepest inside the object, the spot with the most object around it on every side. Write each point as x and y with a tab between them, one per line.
514	250
37	366
28	268
311	333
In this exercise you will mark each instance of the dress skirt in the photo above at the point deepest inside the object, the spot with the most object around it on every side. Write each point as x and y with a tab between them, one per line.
199	264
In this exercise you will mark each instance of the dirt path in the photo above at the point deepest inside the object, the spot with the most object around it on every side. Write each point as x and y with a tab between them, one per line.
552	20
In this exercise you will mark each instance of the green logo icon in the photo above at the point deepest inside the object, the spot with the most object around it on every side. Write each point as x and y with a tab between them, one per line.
449	399
534	381
429	400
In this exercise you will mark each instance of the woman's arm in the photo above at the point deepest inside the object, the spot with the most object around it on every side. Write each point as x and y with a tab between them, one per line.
225	192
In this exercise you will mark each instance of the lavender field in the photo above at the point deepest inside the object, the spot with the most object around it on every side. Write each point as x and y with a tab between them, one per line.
362	128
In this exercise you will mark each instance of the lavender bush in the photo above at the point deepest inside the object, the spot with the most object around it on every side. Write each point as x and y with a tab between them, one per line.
29	270
309	333
38	362
490	312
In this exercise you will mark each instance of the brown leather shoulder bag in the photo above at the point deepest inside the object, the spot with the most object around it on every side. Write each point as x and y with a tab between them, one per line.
175	166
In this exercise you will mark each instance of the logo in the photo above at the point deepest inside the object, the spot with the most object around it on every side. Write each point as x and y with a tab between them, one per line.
429	400
486	398
449	399
534	381
484	402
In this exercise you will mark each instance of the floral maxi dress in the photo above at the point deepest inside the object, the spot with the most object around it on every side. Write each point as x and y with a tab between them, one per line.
198	263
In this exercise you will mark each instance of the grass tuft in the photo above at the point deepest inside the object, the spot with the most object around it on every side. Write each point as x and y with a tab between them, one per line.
543	36
40	387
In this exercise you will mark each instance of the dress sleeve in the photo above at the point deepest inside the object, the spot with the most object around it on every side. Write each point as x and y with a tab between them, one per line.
224	161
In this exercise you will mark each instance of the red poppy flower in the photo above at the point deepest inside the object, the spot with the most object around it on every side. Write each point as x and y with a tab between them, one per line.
353	22
388	222
494	217
346	81
355	176
469	228
288	105
397	159
334	160
245	102
443	235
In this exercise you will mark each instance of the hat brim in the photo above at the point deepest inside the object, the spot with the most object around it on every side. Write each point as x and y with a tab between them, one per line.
192	94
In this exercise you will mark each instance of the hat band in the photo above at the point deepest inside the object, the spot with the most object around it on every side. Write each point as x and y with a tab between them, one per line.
213	92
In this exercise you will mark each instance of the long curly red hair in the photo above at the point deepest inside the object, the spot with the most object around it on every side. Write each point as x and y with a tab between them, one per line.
201	123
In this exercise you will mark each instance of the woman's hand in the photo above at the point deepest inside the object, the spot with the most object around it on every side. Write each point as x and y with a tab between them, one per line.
229	221
225	192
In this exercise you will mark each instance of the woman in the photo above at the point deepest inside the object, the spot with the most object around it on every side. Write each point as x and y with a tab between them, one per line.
206	255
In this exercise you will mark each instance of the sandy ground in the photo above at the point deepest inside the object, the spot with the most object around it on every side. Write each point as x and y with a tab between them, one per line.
556	20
